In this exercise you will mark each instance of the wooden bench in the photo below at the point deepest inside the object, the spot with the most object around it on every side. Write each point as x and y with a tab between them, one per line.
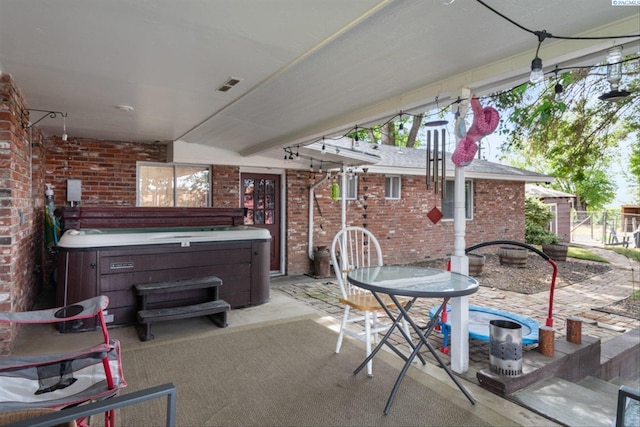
216	309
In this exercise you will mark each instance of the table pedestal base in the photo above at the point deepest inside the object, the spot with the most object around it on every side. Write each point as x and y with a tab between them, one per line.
422	332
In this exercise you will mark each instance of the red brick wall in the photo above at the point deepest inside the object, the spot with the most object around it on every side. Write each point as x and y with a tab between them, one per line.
21	210
498	212
106	169
402	227
225	190
297	235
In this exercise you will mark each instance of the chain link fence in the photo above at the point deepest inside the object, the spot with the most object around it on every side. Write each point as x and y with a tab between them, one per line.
605	228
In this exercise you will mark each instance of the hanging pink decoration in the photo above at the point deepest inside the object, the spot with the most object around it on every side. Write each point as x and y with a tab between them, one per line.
485	121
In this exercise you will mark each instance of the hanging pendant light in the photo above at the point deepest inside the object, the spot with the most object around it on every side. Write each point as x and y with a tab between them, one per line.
614	75
537	75
64	127
558	89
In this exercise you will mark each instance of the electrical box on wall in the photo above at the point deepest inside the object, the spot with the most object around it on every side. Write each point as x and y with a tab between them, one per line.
74	190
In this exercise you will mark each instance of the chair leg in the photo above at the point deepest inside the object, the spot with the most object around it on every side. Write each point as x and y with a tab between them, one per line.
367	335
343	326
111	416
374	335
405	325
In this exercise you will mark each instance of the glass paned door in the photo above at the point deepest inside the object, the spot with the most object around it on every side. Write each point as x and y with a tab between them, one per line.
261	199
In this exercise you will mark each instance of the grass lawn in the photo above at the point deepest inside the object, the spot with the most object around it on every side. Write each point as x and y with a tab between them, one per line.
628	252
582	253
586	254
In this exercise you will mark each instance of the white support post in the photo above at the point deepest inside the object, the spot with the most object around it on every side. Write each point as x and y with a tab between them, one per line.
459	316
343	197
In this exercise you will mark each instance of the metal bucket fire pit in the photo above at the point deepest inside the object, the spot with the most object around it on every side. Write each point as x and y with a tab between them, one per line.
505	347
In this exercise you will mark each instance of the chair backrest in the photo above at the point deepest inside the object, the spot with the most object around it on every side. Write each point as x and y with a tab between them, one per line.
353	247
62	380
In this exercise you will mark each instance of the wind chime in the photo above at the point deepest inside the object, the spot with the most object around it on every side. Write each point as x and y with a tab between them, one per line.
436	170
436	166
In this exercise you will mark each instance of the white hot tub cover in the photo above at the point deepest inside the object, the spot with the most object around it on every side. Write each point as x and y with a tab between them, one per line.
106	237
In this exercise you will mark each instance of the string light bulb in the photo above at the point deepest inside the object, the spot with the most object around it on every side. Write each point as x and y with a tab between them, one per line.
64	127
537	75
558	89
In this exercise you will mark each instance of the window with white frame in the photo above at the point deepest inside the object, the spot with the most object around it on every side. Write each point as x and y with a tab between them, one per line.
173	185
447	200
392	187
351	192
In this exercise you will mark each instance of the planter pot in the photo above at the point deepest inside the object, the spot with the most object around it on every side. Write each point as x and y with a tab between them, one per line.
476	264
513	256
556	252
321	264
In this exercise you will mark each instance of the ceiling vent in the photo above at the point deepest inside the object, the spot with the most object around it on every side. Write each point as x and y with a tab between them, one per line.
226	86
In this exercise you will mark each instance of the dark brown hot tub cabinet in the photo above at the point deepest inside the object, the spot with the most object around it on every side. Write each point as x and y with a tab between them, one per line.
110	261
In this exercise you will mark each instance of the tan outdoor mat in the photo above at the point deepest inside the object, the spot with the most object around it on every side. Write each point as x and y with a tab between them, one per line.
283	374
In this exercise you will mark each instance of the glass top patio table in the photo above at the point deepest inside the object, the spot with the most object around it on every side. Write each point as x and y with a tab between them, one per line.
413	281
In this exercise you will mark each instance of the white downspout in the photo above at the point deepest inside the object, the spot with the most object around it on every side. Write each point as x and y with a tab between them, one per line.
311	198
343	199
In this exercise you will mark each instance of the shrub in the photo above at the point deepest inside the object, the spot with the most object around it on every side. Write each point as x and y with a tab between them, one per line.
536	218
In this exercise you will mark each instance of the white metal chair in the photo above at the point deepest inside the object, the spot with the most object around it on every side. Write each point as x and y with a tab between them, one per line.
355	247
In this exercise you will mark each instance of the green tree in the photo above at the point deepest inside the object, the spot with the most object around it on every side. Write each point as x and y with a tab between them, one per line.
575	137
394	132
634	166
592	186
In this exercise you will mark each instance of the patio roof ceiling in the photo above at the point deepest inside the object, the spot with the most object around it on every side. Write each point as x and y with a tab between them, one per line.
304	68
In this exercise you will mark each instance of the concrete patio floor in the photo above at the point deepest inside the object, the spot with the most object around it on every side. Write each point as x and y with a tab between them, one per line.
297	296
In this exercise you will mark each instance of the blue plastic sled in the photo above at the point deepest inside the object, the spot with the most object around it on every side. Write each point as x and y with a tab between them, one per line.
479	318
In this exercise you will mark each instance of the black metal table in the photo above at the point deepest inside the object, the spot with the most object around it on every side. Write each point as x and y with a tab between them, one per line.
412	282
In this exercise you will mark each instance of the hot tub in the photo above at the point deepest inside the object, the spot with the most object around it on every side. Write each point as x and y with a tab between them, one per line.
110	261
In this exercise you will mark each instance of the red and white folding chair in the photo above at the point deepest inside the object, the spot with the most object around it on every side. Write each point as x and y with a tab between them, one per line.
62	380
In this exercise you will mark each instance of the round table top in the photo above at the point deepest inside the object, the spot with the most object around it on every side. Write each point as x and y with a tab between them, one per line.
413	281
